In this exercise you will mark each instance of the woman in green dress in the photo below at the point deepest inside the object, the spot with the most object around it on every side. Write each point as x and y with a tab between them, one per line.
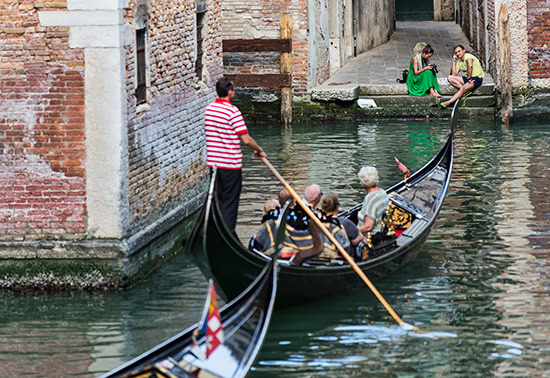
422	80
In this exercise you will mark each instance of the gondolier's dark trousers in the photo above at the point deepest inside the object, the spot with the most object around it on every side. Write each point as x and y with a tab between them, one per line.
228	192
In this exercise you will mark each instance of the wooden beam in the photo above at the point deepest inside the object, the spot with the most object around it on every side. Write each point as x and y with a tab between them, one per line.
286	68
257	45
265	81
506	110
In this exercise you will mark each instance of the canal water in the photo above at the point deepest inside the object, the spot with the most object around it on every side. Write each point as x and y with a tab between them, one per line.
479	289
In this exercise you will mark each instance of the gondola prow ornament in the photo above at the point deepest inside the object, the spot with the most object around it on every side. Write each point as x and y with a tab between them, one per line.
405	170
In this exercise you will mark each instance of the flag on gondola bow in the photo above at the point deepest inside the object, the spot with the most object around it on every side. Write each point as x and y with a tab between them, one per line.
403	168
211	322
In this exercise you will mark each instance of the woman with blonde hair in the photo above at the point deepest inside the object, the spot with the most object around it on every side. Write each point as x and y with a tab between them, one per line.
422	79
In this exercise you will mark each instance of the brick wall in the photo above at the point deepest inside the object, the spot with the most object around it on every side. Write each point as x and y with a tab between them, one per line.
42	182
538	26
261	19
165	137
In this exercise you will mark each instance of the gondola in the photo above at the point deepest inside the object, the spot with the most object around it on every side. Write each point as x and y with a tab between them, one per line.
221	257
245	321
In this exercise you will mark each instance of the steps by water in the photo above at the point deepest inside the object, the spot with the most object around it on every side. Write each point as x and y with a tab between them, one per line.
393	101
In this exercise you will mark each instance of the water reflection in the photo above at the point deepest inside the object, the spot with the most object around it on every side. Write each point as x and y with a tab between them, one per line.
482	277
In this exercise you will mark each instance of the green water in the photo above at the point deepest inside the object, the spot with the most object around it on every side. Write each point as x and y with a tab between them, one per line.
480	287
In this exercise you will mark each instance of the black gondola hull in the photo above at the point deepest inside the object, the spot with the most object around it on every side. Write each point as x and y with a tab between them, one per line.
245	321
223	258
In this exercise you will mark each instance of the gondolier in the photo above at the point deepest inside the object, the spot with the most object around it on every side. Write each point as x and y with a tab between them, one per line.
225	130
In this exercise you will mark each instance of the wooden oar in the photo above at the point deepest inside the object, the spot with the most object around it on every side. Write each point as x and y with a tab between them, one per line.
342	251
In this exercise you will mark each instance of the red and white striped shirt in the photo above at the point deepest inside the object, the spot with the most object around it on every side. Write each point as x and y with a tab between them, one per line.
223	123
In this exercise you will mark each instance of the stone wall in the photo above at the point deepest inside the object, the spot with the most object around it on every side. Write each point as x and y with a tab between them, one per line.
529	26
447	10
166	144
42	153
374	23
318	42
91	181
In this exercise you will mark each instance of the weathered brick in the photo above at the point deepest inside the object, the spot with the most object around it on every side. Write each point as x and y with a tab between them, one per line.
33	136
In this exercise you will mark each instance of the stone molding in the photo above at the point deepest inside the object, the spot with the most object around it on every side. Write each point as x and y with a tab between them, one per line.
96	4
114	36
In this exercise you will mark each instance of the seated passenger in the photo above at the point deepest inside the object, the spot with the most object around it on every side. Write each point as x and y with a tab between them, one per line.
329	217
375	203
330	206
284	196
270	205
312	195
272	208
302	239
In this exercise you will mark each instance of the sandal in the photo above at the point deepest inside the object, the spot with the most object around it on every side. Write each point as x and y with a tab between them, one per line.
443	105
467	94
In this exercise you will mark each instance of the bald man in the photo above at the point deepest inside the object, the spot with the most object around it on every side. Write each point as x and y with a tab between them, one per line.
312	195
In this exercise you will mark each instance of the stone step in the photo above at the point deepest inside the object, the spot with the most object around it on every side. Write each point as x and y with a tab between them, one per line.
423	112
351	92
401	89
473	101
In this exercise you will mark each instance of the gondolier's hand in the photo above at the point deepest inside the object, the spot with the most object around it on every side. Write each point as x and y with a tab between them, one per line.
260	153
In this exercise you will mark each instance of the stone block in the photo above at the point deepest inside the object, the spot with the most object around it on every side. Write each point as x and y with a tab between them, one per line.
100	36
341	93
96	4
80	18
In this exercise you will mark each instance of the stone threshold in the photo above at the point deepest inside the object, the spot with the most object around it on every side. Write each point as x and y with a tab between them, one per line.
352	92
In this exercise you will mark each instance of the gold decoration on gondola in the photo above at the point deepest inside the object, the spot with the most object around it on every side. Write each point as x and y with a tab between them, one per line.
388	221
368	242
365	252
400	219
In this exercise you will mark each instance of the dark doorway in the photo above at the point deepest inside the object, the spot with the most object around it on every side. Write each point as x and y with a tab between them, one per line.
420	10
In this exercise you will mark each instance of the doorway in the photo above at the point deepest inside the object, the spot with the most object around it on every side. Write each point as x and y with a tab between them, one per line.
420	10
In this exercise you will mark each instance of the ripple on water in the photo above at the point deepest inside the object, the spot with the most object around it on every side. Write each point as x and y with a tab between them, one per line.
479	288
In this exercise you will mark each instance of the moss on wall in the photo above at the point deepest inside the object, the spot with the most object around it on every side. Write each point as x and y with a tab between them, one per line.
94	274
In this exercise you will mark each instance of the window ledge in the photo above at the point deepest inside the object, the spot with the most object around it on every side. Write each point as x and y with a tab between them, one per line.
141	109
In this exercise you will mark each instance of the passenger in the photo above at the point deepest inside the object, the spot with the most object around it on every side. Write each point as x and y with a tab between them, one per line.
375	203
330	206
312	195
422	79
301	242
270	205
316	248
329	217
302	238
284	196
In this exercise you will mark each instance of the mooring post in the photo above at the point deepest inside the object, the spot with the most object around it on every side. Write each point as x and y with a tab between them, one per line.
286	68
505	78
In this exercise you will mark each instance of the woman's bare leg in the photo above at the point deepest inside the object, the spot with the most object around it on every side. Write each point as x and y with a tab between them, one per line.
434	93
